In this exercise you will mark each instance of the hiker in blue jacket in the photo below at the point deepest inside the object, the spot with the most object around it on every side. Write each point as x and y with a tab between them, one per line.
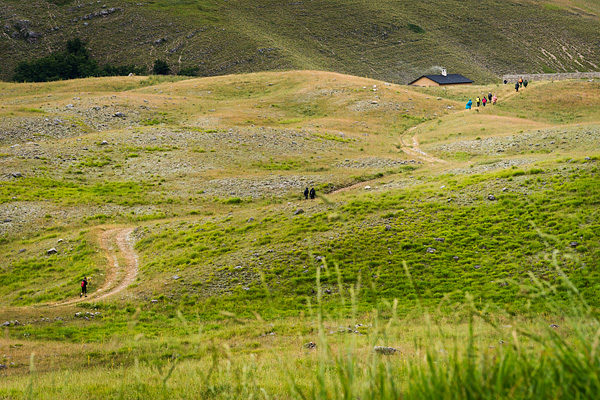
469	104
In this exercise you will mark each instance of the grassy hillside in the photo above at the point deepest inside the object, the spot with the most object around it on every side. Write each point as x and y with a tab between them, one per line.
457	237
387	40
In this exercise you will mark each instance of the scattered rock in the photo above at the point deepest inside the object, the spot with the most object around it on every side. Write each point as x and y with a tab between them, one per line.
367	187
505	189
104	143
310	345
154	301
441	240
554	326
388	228
574	244
455	258
388	351
431	250
6	323
175	277
491	197
16	175
119	114
299	211
477	266
52	251
251	219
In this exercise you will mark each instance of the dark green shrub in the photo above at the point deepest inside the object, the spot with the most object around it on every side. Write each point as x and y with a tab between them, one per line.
416	28
161	67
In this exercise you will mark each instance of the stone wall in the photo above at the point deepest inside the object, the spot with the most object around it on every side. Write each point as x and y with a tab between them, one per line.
551	77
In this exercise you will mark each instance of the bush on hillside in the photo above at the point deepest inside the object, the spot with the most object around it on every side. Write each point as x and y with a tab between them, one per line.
416	28
75	62
161	68
189	71
122	70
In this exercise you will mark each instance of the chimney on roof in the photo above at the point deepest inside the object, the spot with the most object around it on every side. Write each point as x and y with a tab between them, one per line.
444	73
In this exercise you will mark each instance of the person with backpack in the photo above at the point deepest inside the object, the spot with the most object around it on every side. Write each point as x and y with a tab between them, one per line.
84	284
517	86
306	194
494	100
469	104
520	82
483	101
477	101
489	96
525	83
313	193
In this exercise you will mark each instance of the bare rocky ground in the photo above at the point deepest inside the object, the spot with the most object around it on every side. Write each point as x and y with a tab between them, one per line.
540	141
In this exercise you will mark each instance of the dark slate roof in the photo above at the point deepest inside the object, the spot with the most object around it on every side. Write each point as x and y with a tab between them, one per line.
446	80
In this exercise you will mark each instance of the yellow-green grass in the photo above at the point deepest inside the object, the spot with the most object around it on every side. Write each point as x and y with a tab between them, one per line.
437	354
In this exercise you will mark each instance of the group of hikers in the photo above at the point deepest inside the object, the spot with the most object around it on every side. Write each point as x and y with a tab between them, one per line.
312	193
483	100
520	83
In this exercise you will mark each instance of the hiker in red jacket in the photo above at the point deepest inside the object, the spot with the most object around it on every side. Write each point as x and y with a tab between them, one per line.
84	284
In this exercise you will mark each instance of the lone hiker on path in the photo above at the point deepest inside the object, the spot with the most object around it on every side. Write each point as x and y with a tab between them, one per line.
517	86
469	104
84	284
306	194
313	193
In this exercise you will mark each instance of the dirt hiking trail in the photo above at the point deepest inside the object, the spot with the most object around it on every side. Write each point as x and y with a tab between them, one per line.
117	244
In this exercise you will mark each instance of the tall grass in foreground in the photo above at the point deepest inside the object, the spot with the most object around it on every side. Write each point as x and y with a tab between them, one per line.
478	355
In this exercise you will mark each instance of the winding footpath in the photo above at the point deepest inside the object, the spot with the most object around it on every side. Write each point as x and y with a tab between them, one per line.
415	151
114	242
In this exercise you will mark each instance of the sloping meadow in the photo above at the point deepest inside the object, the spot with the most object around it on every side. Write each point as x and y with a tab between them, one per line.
455	240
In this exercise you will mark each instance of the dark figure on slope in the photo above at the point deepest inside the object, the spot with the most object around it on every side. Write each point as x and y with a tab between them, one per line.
525	83
313	193
489	96
517	86
306	194
84	284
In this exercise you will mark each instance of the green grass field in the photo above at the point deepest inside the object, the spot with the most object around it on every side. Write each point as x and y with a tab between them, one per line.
455	237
